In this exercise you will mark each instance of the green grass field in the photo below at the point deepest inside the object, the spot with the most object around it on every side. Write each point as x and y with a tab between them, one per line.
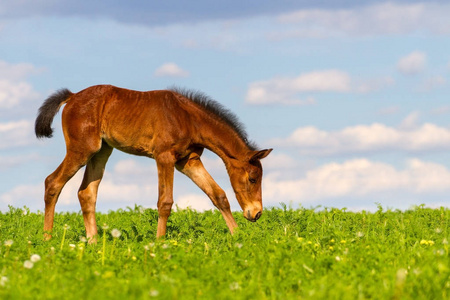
287	254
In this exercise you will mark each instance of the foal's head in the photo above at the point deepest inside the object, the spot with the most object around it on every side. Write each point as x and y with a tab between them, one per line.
246	177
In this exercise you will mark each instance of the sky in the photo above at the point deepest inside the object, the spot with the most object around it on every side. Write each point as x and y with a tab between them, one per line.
353	96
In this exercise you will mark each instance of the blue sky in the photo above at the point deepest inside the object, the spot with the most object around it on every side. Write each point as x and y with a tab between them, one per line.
352	97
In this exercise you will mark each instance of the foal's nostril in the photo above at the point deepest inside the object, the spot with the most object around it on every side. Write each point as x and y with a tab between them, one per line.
249	216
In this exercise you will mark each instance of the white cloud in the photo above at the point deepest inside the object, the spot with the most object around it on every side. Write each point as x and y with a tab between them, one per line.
411	121
383	18
15	72
13	93
111	190
170	70
412	63
22	195
132	168
14	134
368	138
374	84
433	83
11	161
389	110
13	88
212	162
358	178
279	161
283	90
194	201
442	110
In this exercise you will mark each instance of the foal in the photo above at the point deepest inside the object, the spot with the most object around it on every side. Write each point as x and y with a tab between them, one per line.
171	126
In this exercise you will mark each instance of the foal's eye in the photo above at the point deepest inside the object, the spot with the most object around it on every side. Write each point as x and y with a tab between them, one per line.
252	180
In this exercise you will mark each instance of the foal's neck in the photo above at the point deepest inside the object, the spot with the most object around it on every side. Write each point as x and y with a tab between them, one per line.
226	144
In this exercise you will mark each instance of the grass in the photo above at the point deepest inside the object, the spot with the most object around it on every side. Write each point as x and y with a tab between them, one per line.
287	254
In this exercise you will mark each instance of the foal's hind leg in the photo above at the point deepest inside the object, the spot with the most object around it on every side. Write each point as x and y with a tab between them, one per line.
194	169
87	194
54	184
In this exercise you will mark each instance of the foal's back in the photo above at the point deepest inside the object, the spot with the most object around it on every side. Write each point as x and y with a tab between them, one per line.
141	123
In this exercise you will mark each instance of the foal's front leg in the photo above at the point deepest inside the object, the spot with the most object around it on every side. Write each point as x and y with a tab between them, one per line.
194	169
166	165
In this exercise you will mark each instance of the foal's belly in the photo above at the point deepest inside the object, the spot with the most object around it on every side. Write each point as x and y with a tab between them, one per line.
131	147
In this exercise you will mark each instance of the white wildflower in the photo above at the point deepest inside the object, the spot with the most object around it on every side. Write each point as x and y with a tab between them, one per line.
8	243
28	264
116	233
234	286
401	276
35	258
3	280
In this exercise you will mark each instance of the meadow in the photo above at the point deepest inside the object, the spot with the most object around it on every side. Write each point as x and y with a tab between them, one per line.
289	253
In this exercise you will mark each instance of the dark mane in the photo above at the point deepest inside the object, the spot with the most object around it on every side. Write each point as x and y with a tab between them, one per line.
218	110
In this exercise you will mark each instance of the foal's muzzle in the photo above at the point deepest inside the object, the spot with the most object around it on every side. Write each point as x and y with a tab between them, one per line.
251	218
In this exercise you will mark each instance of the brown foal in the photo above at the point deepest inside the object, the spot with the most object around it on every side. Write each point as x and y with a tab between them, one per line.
171	126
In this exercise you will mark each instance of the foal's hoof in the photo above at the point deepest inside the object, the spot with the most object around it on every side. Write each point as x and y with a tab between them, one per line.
47	236
92	240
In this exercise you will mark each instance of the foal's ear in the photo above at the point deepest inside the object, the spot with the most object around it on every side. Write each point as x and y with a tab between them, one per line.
257	155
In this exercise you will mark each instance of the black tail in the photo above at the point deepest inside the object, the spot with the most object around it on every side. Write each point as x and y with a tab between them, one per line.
47	112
